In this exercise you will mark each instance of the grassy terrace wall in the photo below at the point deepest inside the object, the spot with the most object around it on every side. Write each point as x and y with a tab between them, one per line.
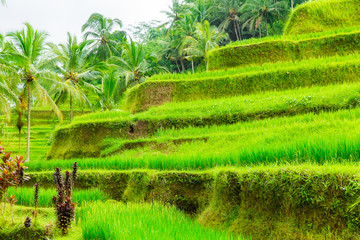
196	114
155	93
281	50
251	200
323	15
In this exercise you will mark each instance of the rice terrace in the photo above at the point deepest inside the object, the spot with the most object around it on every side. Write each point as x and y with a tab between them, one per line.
228	119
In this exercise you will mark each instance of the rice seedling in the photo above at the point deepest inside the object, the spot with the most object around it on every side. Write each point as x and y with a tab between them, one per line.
124	221
313	98
310	137
296	37
252	69
45	196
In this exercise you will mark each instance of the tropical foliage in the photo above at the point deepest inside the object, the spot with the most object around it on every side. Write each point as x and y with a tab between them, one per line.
94	73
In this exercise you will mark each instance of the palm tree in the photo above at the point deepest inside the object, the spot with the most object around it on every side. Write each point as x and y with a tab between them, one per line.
135	64
8	81
29	44
175	12
206	38
186	28
201	9
228	12
71	63
257	11
105	41
113	86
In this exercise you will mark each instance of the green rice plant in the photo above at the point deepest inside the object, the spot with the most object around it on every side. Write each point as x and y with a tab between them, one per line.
282	50
253	69
296	37
311	137
45	196
221	84
295	101
142	221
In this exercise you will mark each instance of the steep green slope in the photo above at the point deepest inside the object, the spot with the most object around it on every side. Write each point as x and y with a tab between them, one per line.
272	202
285	48
323	15
242	81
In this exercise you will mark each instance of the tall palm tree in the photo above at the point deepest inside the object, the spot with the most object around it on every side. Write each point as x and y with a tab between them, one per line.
186	28
8	81
29	44
228	12
71	63
105	41
175	12
201	9
135	63
206	38
113	87
171	48
257	11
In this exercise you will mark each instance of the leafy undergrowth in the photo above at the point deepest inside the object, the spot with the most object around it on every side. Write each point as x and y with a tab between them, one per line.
41	227
142	221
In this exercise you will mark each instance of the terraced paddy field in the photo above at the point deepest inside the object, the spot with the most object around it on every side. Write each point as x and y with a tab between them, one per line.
266	145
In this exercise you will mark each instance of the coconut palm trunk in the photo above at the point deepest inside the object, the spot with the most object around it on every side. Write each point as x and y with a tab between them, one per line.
235	30
71	108
28	121
266	25
19	142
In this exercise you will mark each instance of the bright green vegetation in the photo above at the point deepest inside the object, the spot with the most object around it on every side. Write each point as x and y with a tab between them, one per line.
310	137
323	15
122	221
285	48
295	100
222	84
298	37
265	145
246	198
46	219
45	196
256	69
40	139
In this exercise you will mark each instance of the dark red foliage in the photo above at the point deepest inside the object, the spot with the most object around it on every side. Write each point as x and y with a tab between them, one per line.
65	208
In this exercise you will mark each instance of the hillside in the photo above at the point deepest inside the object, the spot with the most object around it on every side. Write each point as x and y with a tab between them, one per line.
264	145
323	15
228	140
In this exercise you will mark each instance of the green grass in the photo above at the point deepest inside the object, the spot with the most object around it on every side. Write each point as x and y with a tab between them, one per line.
39	143
310	137
45	196
235	82
297	37
268	67
317	97
323	15
284	49
46	216
142	221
